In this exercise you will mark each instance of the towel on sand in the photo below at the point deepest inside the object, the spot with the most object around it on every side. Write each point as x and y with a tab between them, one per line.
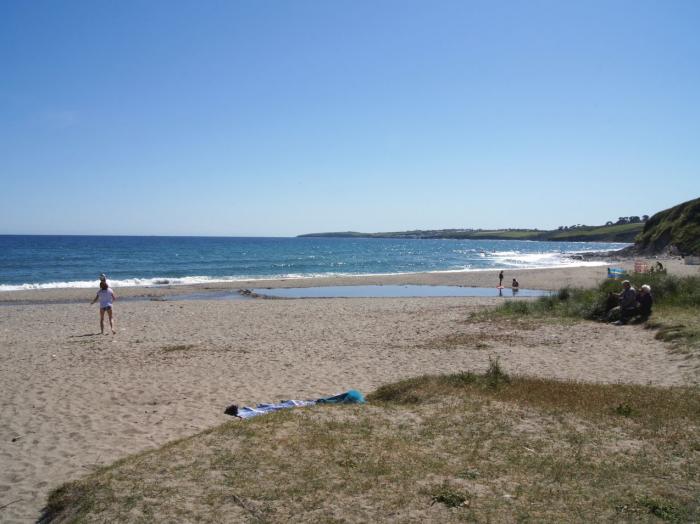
349	397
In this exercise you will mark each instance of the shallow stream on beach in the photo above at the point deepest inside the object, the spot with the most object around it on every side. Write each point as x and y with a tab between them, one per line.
395	292
363	291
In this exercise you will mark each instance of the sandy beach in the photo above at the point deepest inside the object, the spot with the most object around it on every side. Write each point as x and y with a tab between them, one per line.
74	399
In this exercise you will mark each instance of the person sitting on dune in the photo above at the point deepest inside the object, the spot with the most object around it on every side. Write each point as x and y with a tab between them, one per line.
645	301
628	304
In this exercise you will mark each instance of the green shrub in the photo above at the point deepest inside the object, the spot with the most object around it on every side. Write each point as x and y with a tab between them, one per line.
676	306
591	304
564	294
494	374
446	495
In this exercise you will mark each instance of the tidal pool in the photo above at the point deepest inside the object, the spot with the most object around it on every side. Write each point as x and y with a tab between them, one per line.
393	291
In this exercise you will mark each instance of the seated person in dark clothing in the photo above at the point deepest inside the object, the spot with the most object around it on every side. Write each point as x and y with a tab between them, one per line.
610	302
628	304
645	301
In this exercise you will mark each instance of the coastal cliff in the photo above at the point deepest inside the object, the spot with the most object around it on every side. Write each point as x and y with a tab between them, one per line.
675	230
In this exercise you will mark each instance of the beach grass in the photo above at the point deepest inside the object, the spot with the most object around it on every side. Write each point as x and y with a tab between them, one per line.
680	327
676	311
448	448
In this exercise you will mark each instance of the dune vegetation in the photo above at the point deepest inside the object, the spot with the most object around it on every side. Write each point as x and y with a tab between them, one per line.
452	448
676	311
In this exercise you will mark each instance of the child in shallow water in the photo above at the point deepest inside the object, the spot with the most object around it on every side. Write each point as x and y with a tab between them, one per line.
106	296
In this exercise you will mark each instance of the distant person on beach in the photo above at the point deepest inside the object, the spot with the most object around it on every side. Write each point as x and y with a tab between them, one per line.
106	296
500	279
515	285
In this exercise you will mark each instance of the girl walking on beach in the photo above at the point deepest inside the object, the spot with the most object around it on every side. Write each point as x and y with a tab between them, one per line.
106	296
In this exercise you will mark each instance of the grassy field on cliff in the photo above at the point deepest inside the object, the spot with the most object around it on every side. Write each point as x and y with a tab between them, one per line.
613	233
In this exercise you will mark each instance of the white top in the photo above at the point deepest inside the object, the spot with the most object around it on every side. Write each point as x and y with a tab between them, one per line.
106	297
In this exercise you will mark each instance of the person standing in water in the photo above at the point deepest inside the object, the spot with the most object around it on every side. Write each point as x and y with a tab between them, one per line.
106	297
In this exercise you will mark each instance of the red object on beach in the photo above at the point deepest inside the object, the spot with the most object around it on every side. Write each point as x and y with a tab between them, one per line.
641	267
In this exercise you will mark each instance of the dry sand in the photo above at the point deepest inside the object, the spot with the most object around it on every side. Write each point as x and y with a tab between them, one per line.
73	399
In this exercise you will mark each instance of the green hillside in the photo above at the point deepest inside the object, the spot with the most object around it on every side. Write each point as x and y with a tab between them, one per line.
612	233
676	229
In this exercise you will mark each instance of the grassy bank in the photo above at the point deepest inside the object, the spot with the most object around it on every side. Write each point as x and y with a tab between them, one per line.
676	316
678	226
613	233
435	448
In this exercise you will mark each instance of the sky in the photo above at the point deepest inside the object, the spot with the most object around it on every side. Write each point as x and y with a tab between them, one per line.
277	118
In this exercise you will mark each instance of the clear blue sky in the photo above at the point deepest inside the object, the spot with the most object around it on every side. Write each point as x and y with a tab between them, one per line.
280	118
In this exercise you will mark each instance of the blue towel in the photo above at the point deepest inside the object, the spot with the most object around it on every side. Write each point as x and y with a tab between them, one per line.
349	397
616	272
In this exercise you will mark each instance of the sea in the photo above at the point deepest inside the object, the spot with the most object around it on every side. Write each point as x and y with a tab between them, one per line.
42	262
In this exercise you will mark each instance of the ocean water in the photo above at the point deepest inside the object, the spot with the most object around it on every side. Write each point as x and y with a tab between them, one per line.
36	262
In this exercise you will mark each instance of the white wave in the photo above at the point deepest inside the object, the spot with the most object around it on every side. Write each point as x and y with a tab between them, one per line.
571	263
515	259
140	282
158	281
